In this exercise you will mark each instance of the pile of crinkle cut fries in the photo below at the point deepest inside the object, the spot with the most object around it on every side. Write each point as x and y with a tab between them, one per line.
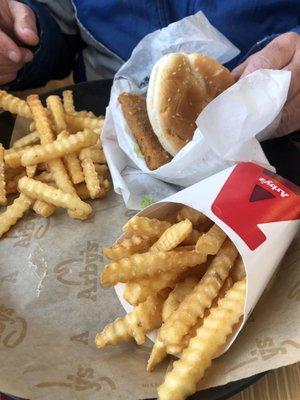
59	163
185	278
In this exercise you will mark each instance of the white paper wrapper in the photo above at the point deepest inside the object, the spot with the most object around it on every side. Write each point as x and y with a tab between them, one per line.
257	209
227	127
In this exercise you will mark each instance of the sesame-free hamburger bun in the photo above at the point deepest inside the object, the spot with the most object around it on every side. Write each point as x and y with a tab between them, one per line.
180	86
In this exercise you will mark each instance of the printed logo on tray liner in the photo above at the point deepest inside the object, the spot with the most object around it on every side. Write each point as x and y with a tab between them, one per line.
84	379
13	328
81	272
266	349
253	195
33	227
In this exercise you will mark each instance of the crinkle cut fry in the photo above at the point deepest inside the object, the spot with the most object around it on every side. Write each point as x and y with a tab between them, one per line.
127	246
14	105
44	176
186	339
63	182
27	140
91	177
157	355
197	357
12	184
3	199
192	238
55	165
148	264
144	318
57	197
94	153
201	298
211	241
144	226
101	169
84	194
58	148
138	290
13	156
57	110
76	123
68	101
46	134
196	217
14	212
85	113
60	176
176	296
181	290
31	170
41	119
238	271
173	236
43	209
72	163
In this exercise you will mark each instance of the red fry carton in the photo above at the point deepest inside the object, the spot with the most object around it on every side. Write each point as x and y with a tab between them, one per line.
257	209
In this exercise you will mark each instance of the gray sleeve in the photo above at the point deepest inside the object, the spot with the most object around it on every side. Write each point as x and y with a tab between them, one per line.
63	12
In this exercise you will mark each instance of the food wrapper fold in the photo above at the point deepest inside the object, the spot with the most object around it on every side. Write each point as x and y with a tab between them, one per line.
228	129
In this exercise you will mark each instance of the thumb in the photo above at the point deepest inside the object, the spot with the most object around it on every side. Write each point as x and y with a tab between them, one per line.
238	71
290	120
24	23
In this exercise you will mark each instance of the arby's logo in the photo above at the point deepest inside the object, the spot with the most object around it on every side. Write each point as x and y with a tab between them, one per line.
253	195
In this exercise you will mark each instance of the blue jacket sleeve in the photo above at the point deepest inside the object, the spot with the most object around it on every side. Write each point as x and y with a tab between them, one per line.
296	29
53	57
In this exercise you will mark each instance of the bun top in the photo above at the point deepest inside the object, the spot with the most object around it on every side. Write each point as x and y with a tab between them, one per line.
180	86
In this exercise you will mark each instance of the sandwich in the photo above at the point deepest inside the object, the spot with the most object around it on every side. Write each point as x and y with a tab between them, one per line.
180	86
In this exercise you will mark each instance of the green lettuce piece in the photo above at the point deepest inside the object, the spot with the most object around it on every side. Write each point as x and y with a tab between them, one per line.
146	201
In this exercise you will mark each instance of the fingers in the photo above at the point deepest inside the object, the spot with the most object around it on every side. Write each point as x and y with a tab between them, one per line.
276	55
27	55
9	69
273	57
13	57
9	49
237	71
290	118
294	67
282	53
24	23
7	78
7	66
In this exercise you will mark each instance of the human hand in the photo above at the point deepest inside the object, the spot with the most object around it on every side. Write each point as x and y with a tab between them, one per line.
17	29
282	53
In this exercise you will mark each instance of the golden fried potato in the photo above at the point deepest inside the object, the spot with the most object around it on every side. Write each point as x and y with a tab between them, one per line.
14	212
211	242
149	264
145	317
182	381
173	236
201	298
